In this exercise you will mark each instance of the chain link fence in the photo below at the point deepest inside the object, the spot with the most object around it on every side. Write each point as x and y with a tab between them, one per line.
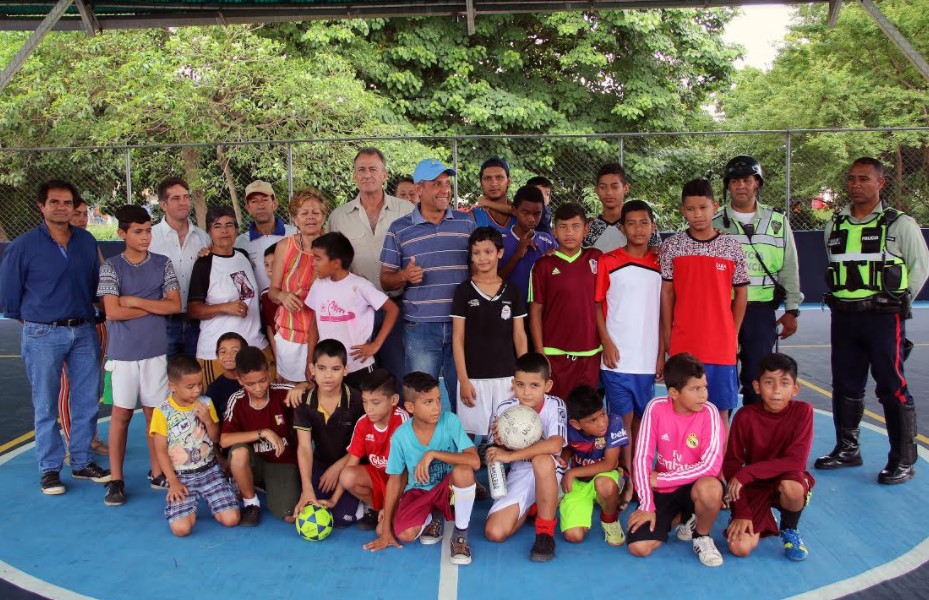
804	170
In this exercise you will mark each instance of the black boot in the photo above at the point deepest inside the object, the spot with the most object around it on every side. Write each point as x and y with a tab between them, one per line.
902	433
847	413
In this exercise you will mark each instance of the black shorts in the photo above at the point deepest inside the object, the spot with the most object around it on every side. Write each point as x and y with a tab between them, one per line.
668	507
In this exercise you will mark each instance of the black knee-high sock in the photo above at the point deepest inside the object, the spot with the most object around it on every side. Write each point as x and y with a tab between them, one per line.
790	519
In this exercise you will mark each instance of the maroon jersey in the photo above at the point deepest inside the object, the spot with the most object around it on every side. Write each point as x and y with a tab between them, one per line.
276	416
765	445
565	288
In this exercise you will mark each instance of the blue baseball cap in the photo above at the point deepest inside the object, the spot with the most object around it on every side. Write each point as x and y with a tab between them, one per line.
430	169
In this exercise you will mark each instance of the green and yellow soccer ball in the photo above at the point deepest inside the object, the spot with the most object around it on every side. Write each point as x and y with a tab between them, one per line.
314	523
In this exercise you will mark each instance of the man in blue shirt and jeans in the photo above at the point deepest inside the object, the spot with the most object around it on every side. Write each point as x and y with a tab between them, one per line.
48	281
427	253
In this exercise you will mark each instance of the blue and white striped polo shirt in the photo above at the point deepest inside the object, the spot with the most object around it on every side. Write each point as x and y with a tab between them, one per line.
441	250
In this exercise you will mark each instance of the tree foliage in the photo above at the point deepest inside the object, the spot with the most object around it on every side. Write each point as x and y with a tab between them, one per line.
851	76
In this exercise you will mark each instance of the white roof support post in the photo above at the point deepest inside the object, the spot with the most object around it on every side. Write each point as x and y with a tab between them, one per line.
911	53
44	27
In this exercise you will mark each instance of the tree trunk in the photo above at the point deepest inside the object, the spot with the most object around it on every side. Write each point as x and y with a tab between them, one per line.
223	160
191	174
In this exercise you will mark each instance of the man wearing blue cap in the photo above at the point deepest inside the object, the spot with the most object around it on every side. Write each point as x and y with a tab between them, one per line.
426	252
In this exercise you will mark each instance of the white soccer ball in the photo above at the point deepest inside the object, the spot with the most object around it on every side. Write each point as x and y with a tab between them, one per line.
519	427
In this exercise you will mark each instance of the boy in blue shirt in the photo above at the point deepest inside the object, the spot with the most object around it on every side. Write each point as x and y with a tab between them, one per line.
595	440
523	245
431	458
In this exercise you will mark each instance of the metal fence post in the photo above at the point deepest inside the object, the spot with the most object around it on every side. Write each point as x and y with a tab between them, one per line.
129	176
455	166
290	171
787	178
622	151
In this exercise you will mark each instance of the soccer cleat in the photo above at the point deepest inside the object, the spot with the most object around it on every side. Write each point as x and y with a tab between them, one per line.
368	522
707	552
543	550
794	548
432	533
115	493
158	483
613	532
461	551
250	516
685	531
93	472
51	484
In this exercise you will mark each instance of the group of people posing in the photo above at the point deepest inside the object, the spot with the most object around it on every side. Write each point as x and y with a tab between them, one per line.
277	358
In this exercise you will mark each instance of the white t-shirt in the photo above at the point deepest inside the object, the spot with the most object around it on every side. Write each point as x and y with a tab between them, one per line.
255	248
220	279
554	418
345	312
166	242
742	217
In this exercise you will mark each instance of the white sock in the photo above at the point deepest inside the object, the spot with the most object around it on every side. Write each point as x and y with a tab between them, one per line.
464	504
253	501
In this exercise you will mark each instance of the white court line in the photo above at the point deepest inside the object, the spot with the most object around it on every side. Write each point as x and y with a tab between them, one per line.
901	565
448	572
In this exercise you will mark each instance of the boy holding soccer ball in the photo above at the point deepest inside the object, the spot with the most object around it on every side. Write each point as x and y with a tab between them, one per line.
595	440
431	459
534	471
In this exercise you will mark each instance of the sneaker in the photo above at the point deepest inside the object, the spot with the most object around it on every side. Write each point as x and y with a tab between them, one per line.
158	483
432	534
685	531
93	472
614	533
461	551
794	548
51	484
706	550
250	516
100	447
543	550
115	493
368	522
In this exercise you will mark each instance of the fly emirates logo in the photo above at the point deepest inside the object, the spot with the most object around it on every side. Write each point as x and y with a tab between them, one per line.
675	464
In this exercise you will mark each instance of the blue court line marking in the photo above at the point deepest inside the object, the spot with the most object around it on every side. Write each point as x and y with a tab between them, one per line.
498	568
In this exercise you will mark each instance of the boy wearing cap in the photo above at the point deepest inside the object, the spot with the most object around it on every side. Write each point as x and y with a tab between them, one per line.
266	227
426	254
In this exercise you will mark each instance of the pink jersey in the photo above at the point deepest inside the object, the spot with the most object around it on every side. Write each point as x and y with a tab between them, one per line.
370	442
682	447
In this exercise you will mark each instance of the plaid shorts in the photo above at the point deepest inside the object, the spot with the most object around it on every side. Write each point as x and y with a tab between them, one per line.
211	485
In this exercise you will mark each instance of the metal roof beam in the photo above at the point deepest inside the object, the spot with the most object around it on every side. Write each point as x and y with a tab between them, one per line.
898	39
834	7
91	24
47	24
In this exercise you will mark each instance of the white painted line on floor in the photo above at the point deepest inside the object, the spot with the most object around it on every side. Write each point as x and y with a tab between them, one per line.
901	565
448	572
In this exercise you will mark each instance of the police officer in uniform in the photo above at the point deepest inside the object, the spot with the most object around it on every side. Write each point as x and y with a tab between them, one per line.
878	262
771	258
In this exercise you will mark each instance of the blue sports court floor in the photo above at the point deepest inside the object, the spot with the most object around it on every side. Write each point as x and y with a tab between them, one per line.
859	533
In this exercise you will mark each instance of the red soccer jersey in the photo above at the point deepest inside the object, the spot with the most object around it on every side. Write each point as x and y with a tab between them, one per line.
565	289
704	274
276	416
368	441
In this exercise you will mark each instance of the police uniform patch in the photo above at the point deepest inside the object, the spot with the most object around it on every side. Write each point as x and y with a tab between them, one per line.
692	441
775	226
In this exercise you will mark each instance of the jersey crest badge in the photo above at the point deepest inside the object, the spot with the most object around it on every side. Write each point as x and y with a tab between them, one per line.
692	441
593	265
505	313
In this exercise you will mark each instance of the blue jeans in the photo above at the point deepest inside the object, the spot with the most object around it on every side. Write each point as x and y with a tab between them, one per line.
182	335
45	348
392	355
429	349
